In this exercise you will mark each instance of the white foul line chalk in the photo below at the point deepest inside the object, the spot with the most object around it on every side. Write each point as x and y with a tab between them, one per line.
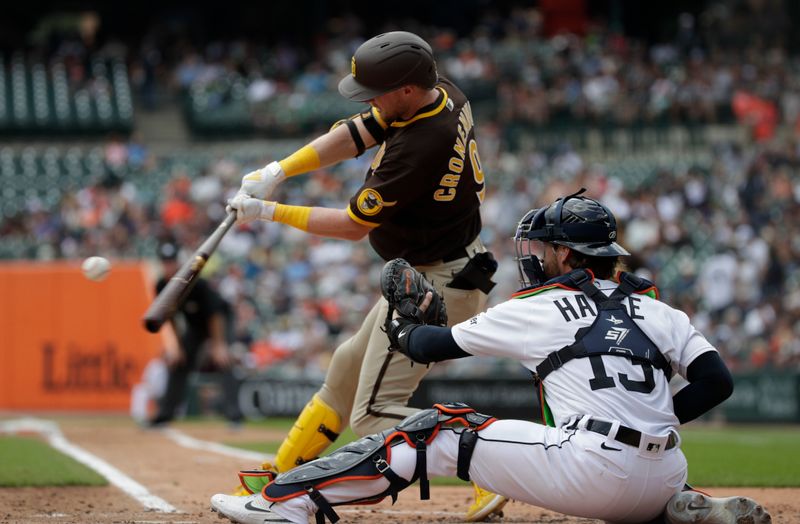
182	439
55	438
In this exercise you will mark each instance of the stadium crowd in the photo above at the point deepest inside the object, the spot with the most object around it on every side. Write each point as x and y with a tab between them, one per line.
722	240
721	237
706	75
709	70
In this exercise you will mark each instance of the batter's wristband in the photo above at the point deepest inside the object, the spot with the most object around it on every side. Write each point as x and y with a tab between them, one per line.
301	161
295	216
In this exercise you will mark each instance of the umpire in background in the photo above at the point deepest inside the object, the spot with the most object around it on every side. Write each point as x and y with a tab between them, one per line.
201	327
420	200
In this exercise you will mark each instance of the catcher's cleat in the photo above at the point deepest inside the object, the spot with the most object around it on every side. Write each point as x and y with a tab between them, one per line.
252	509
692	507
486	505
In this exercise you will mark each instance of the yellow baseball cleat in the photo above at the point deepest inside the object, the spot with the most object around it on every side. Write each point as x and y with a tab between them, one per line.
240	492
486	504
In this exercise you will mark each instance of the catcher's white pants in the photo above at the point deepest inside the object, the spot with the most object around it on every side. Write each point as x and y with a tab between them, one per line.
576	472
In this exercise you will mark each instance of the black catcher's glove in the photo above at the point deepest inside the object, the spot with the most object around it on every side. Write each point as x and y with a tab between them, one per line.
405	289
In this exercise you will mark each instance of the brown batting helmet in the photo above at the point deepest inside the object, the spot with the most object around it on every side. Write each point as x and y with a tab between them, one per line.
387	62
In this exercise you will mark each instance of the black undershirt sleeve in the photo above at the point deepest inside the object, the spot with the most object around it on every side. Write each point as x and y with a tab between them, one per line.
428	344
710	383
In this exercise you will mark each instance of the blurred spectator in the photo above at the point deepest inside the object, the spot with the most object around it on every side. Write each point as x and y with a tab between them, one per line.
178	208
203	325
720	236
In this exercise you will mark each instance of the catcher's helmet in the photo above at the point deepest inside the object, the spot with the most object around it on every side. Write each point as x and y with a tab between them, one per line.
574	221
387	62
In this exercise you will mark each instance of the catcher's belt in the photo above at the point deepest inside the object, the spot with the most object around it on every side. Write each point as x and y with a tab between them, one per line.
625	435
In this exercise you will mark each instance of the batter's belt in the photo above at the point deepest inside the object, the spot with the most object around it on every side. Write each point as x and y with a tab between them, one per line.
460	252
477	272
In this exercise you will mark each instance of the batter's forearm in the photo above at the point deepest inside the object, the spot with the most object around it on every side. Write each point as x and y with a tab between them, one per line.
331	148
335	223
323	221
334	146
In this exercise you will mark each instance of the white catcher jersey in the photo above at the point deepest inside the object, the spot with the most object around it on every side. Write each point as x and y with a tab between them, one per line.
528	329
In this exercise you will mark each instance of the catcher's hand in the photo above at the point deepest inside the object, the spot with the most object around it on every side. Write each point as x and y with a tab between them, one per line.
414	298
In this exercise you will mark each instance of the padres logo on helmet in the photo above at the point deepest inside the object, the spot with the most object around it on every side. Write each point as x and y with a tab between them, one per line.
370	202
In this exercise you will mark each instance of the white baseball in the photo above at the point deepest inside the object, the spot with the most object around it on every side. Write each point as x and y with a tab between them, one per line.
96	268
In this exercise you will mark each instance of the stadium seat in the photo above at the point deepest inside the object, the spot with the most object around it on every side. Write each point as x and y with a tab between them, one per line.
37	98
19	91
5	110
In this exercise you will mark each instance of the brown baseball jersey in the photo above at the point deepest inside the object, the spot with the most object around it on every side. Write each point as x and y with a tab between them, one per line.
423	191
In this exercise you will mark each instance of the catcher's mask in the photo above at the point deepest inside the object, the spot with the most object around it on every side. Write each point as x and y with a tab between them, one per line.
574	221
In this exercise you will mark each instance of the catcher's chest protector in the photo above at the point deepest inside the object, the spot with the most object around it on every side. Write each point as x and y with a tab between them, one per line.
369	458
613	331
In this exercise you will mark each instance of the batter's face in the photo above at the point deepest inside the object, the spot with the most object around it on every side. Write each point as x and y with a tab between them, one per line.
394	104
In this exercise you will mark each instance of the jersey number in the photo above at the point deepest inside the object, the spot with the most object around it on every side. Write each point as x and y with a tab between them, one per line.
447	190
602	381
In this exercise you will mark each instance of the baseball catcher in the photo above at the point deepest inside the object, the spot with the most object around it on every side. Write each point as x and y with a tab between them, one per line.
602	347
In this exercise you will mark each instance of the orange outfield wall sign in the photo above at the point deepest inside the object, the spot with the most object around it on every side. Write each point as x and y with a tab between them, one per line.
69	343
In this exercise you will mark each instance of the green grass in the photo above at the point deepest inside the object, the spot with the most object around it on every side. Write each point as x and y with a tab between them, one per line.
765	456
31	462
734	455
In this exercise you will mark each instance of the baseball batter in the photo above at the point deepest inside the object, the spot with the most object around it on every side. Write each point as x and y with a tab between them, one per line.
603	348
420	200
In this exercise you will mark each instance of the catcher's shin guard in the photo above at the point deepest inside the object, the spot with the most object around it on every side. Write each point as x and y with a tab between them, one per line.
314	430
369	458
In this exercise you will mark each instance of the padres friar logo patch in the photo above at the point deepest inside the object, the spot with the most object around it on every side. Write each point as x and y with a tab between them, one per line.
370	202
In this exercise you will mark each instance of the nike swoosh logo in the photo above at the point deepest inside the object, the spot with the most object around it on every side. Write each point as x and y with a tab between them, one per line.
603	445
250	506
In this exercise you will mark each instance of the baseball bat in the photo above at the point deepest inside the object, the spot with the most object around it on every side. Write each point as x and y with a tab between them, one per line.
172	296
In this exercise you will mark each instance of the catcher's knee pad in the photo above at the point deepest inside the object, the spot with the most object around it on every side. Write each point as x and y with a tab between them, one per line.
314	430
369	457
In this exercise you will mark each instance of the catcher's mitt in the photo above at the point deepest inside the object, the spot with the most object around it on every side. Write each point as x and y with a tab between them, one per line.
405	289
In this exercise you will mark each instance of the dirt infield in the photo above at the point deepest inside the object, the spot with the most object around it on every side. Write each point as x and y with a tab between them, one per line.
186	479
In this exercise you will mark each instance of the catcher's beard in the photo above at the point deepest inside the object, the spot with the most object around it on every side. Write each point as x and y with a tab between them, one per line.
531	273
